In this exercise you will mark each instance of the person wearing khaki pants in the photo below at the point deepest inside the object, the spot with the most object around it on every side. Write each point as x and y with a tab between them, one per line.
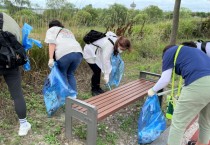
194	66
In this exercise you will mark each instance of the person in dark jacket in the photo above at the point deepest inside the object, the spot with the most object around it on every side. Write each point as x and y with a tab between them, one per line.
13	79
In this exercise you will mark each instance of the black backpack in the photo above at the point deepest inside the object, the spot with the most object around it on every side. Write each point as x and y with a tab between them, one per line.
92	36
203	45
12	53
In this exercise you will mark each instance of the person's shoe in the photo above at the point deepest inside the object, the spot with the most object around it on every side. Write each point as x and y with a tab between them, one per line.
100	90
23	130
191	143
95	92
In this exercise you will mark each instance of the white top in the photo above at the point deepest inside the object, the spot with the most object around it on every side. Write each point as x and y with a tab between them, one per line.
207	47
65	41
163	81
10	25
101	55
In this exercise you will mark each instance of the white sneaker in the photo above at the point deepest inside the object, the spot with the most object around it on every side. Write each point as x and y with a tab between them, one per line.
23	130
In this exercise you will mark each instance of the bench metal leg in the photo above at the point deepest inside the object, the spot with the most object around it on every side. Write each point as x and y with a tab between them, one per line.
90	118
92	127
68	120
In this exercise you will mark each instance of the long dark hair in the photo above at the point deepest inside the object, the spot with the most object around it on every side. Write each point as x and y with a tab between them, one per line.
55	23
123	42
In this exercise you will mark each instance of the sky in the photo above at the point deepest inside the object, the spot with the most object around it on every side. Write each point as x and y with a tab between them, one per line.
166	5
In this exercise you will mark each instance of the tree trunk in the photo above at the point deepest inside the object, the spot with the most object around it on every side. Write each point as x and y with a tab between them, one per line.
175	22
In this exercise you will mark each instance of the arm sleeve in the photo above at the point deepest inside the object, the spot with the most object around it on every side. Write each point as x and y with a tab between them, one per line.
50	36
106	62
163	81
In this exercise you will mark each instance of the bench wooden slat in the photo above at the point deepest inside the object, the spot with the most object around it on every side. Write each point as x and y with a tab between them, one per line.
124	96
108	94
115	95
101	101
116	90
122	105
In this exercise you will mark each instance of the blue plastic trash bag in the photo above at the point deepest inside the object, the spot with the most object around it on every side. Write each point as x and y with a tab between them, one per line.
151	121
117	70
55	90
28	43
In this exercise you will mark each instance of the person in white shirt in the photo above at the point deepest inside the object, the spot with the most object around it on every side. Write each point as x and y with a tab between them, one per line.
98	56
64	48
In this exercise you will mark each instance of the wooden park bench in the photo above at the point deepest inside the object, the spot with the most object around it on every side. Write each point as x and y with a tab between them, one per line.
99	107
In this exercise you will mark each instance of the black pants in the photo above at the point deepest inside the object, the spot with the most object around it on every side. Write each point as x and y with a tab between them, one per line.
13	80
96	77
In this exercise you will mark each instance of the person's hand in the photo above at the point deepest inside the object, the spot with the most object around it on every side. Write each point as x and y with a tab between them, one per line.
51	63
151	92
106	78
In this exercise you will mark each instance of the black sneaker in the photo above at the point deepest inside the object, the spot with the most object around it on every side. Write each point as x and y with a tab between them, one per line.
95	92
191	143
100	90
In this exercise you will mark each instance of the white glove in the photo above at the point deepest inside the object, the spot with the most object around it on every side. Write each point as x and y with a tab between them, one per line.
51	63
106	78
151	92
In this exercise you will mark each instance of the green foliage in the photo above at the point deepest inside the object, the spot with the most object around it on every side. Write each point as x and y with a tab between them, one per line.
25	16
205	28
80	131
51	139
106	137
154	13
115	15
185	13
93	12
56	4
187	29
83	18
140	18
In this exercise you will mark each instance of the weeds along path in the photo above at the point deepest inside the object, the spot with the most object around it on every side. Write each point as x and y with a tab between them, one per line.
120	128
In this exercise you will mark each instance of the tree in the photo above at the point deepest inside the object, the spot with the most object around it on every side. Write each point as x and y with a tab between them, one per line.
56	4
140	18
175	24
93	12
16	5
83	18
185	13
153	12
115	14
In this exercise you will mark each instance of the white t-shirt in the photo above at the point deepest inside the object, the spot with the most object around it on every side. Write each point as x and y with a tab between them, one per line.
65	41
101	55
207	47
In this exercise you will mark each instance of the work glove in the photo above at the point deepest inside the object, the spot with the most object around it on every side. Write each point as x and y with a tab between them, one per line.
51	63
151	92
106	78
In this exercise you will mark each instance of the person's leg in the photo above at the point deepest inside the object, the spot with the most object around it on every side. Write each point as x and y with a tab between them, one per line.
95	80
192	100
76	59
204	126
13	80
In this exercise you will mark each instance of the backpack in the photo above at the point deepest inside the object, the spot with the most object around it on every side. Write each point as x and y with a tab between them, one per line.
12	53
94	35
203	45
